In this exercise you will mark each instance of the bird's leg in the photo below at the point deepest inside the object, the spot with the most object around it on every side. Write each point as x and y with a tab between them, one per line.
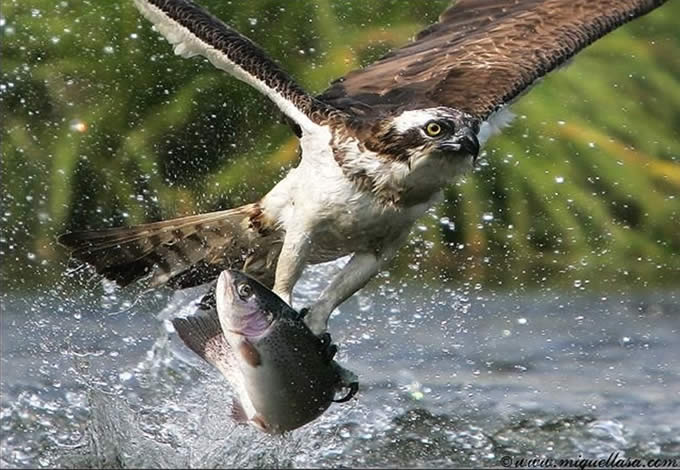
353	276
292	260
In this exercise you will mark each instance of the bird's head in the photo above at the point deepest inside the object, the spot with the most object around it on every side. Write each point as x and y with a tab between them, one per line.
435	135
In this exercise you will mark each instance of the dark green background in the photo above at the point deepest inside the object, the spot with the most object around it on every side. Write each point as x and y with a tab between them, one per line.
103	125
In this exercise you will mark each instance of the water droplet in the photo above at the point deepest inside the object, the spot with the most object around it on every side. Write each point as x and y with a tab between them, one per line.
76	125
559	179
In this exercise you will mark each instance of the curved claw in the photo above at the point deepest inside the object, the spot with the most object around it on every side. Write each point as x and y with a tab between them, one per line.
325	339
330	352
302	313
328	349
353	389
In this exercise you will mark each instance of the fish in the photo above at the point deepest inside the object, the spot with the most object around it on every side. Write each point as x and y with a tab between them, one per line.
283	375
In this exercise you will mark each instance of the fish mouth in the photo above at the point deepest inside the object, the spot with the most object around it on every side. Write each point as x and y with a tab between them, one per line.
225	285
224	296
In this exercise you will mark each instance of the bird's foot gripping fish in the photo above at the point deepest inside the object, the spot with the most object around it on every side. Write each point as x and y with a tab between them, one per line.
283	375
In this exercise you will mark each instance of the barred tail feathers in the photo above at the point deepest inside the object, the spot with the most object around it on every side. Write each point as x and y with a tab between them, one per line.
181	252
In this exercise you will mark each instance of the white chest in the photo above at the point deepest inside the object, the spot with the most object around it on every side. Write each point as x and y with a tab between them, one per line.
340	215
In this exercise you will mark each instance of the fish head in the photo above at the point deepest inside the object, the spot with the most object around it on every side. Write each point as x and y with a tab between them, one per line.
245	306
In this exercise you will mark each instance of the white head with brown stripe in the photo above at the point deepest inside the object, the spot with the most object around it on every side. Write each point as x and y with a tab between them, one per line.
407	156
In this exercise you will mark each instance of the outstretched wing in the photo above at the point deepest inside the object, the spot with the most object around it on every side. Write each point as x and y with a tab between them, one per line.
481	54
193	31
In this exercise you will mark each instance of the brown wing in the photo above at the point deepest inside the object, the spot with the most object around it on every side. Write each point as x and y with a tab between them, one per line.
482	54
182	252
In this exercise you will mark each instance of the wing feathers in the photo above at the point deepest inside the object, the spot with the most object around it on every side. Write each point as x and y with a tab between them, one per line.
193	31
167	251
482	54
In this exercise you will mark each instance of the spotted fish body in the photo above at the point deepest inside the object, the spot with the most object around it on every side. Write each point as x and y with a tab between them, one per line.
298	377
282	374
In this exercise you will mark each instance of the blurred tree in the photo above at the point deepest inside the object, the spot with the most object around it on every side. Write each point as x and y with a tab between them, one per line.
103	125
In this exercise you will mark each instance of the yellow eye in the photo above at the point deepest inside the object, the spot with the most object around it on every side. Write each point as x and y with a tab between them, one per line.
244	290
433	129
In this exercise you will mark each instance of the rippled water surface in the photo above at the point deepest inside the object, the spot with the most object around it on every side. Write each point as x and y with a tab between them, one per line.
94	379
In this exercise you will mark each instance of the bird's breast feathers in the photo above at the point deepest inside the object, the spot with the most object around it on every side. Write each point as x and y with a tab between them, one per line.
351	198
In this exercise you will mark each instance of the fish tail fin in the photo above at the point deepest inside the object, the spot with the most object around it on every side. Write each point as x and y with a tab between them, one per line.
182	252
202	334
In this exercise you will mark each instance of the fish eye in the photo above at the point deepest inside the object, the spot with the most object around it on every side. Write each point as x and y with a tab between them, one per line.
433	128
244	290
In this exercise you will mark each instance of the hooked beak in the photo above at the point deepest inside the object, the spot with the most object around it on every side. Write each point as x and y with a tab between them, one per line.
469	143
464	140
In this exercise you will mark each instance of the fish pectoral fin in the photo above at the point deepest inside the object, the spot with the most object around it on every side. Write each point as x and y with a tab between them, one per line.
249	353
259	422
237	413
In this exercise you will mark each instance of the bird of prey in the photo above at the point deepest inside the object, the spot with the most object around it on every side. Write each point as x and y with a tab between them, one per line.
378	146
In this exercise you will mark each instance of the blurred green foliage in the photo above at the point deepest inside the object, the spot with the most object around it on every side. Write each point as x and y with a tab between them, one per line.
103	125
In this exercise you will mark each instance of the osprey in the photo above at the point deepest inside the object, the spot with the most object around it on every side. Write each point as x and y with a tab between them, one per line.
377	147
